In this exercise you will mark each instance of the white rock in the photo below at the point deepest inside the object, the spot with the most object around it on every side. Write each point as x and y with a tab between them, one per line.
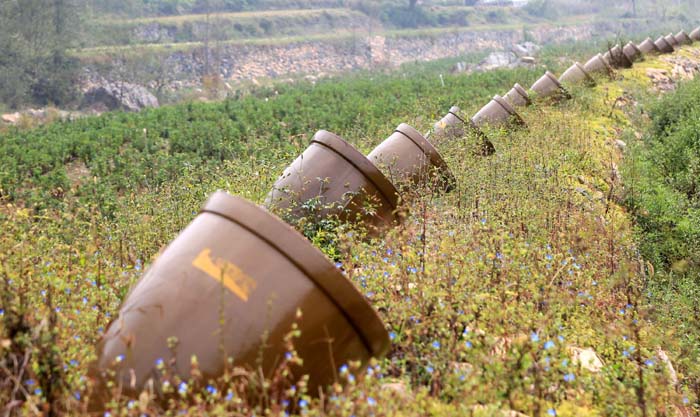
587	358
672	375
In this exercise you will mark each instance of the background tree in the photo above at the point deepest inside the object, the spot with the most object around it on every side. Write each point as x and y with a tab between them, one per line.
35	36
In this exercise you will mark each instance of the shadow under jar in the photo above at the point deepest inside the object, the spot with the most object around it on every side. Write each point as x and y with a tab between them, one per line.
332	178
617	58
230	286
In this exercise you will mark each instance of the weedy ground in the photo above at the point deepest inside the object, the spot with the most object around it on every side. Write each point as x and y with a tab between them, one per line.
486	291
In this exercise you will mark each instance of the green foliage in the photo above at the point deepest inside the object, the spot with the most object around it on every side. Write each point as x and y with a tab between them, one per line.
34	66
666	197
124	152
662	177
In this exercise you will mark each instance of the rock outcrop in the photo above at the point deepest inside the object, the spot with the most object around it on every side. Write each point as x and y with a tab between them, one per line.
103	95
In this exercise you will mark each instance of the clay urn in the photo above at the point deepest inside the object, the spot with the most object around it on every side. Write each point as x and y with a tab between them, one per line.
663	45
695	35
598	63
632	53
576	74
616	57
548	86
647	46
230	286
517	96
497	112
683	38
407	158
672	40
332	178
450	126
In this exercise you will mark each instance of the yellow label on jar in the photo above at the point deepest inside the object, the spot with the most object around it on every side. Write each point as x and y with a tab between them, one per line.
225	272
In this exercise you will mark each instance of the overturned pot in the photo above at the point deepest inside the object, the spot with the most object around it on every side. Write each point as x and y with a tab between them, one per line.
632	53
497	112
598	63
617	58
333	178
683	38
548	86
647	46
695	35
230	286
408	158
672	40
517	96
450	126
576	74
663	45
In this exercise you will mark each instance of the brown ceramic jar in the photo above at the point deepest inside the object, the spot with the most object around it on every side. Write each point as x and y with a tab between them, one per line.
230	285
337	177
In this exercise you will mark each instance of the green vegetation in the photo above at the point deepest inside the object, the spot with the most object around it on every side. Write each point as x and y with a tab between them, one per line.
34	66
664	194
124	152
485	291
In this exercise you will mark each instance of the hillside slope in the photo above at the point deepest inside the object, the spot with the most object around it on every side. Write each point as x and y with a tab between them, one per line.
493	294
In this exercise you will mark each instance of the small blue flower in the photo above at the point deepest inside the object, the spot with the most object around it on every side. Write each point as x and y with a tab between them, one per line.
392	335
371	401
344	369
686	400
182	388
159	362
2	311
569	377
548	344
37	391
429	369
288	356
303	403
649	362
436	345
211	390
534	337
552	412
229	396
29	382
468	344
548	257
625	353
76	395
73	362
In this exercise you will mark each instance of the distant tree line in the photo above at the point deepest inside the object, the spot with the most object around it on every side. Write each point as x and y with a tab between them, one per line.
34	38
